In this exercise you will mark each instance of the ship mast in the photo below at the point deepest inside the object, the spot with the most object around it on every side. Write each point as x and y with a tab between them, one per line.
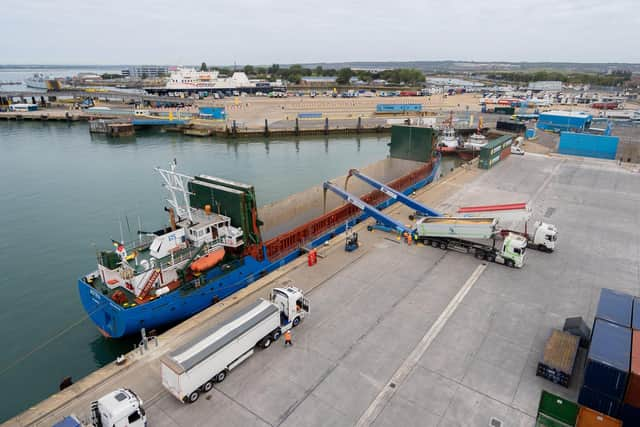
177	183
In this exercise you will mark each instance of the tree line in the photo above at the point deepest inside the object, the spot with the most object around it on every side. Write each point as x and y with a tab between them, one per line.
616	78
294	73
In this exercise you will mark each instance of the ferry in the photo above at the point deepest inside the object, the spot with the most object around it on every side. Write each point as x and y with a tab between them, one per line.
212	248
41	81
192	81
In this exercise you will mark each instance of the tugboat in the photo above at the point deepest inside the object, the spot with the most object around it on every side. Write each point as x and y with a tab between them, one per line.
448	143
473	144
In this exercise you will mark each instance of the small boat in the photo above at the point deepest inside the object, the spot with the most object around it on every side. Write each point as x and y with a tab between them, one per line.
448	143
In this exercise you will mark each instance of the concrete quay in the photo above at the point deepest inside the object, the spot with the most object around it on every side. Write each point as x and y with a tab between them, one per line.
412	335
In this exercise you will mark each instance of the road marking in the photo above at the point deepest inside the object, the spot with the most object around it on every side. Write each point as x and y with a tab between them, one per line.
376	407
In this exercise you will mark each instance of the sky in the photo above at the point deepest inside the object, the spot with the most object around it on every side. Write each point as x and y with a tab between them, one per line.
265	32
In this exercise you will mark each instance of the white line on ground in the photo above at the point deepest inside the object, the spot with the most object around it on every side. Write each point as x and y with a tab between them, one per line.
387	392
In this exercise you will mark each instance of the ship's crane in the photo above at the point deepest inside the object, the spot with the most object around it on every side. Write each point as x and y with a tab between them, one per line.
367	208
420	209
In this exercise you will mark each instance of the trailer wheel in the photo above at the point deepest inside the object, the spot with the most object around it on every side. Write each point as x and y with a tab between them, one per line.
276	335
479	254
221	376
193	396
434	243
509	263
491	258
266	342
207	386
443	245
296	321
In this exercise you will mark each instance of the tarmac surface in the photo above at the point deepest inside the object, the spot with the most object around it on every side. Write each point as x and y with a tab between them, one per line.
411	335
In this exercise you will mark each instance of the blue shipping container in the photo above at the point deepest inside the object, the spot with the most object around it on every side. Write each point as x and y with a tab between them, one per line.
217	113
397	108
530	133
636	314
588	145
598	401
309	115
562	121
609	359
615	307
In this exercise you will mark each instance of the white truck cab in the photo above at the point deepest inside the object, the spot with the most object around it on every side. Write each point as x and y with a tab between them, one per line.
119	408
544	236
292	304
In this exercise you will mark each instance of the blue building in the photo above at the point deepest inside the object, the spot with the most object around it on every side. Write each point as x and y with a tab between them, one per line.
557	121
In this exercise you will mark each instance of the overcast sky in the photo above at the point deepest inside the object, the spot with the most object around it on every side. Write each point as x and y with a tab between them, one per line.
284	31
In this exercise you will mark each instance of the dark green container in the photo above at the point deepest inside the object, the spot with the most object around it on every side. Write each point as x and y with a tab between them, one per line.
504	110
412	143
555	411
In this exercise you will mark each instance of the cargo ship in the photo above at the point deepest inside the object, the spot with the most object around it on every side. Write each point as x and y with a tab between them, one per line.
212	248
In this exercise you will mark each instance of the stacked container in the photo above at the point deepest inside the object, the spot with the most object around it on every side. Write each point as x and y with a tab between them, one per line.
494	151
554	411
609	358
590	418
630	411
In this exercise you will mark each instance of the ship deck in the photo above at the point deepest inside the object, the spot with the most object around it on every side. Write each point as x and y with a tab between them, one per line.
412	335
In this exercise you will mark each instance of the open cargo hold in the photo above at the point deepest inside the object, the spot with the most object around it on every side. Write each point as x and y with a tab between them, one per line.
629	415
559	357
632	396
590	418
218	349
599	401
491	153
608	360
463	228
514	126
615	307
555	411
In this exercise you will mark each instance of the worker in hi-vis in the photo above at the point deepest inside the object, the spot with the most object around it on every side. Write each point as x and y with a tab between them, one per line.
287	338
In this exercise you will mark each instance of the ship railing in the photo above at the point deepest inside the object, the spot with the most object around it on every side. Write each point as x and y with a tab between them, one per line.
168	261
140	244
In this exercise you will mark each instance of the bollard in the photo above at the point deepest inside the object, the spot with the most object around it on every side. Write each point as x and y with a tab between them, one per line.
326	125
266	127
359	126
297	130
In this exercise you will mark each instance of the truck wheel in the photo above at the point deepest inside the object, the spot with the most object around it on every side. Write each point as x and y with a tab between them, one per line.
443	246
434	243
221	376
266	342
275	335
296	322
491	258
207	386
479	254
509	263
193	396
542	248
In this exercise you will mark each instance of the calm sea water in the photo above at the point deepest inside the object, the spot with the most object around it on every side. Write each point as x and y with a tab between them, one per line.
19	73
62	192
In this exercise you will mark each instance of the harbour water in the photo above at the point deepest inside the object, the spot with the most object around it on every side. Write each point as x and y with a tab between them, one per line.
64	193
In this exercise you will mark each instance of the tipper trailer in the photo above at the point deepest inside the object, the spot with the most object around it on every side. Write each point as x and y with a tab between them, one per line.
472	235
195	367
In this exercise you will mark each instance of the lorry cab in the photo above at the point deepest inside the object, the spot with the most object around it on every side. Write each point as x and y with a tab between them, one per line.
119	408
513	249
292	304
545	236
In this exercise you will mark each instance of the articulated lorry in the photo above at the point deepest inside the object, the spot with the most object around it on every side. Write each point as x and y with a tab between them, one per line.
479	236
194	368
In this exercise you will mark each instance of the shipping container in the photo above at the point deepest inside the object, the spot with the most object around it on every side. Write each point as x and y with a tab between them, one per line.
636	314
599	401
397	108
590	418
309	115
491	153
632	395
530	133
588	145
629	415
555	411
608	360
615	307
504	110
559	357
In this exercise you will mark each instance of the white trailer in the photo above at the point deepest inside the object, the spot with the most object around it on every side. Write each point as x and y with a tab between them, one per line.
195	367
472	235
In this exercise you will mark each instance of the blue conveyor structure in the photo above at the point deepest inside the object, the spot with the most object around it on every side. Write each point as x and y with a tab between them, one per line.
394	194
375	213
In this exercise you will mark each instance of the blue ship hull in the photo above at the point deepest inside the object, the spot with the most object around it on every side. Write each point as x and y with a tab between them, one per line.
115	321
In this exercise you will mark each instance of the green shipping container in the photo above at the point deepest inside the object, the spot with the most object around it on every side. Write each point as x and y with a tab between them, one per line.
504	110
412	143
555	411
490	153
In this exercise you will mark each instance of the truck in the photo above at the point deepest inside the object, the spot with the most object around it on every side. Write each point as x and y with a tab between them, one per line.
479	236
195	367
543	237
120	408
